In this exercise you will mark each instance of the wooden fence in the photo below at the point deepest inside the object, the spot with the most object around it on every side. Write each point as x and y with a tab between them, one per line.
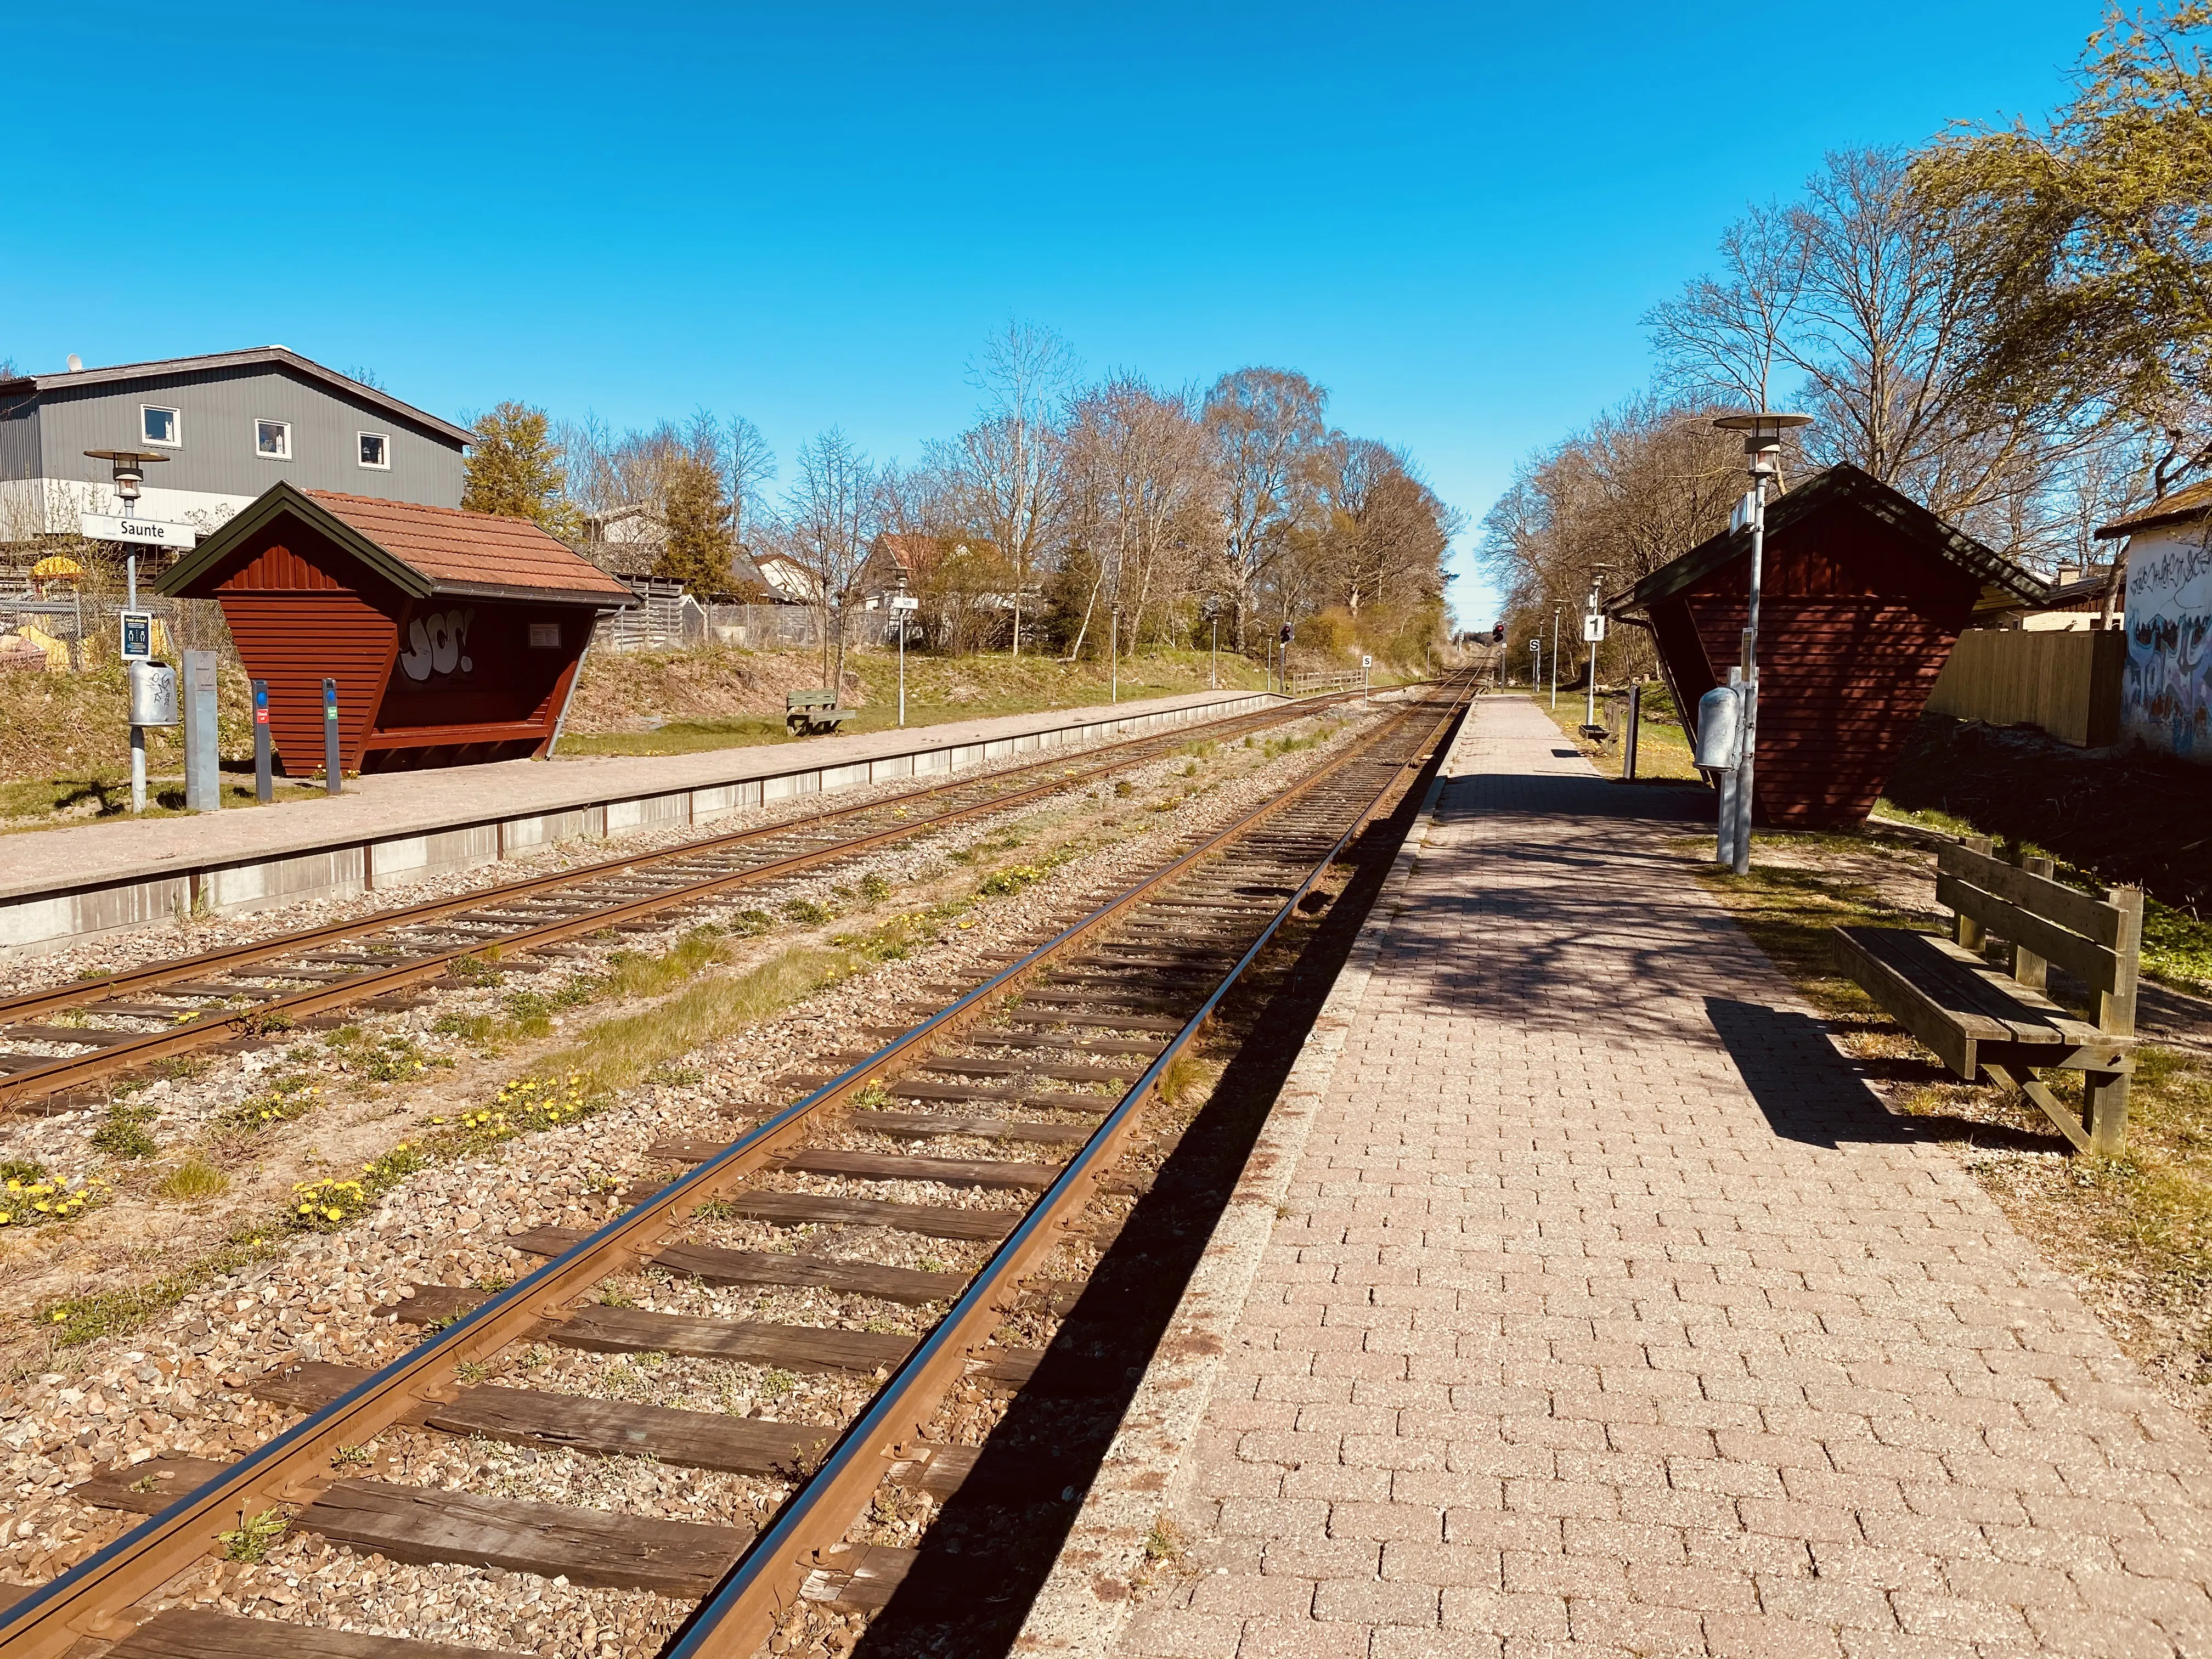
2068	683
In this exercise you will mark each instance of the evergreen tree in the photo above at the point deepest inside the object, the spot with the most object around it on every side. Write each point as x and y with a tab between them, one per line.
697	552
514	470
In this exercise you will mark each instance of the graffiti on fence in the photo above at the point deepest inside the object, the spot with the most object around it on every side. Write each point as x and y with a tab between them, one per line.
2167	696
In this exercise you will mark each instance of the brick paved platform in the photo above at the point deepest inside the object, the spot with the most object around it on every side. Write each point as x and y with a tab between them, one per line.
1611	1314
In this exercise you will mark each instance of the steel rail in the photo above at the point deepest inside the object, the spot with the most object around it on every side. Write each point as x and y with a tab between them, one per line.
229	958
763	1582
92	1599
68	1071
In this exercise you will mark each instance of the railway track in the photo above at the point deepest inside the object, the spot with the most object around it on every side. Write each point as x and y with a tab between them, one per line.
247	994
1026	1090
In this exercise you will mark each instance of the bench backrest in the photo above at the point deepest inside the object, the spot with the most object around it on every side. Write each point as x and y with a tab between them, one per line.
2098	940
810	700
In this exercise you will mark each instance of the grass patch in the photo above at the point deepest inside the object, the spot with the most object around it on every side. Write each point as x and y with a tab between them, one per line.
938	689
76	1320
1662	746
192	1182
124	1133
618	1052
389	1057
283	1100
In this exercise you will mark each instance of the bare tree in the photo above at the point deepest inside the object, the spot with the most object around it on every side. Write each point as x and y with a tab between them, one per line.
1723	338
828	526
1645	484
748	463
1145	500
1386	531
1866	291
1265	425
1012	461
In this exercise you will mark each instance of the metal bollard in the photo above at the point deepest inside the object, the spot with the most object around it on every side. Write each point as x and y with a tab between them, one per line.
202	759
265	780
334	781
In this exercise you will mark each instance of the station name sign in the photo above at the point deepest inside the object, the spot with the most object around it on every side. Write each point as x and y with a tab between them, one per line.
151	533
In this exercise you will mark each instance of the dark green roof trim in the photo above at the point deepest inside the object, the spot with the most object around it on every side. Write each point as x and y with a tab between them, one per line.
281	500
1838	483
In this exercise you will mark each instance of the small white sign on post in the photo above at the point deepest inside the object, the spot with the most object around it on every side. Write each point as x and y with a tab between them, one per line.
1594	627
145	532
1367	662
137	635
905	602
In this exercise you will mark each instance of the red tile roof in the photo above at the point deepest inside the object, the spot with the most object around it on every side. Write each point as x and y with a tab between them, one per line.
470	550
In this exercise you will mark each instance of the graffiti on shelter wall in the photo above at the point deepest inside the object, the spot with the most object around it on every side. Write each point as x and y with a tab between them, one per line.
2166	696
436	644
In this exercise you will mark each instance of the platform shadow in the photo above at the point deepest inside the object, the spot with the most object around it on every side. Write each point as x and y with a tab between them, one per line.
1812	1094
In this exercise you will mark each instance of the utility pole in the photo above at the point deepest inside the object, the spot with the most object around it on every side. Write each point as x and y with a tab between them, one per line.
1114	653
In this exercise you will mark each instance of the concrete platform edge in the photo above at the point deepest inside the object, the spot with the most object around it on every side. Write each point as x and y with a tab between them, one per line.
1146	1474
38	920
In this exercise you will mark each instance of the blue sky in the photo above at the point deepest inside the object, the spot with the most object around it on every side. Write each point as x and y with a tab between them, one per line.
1452	216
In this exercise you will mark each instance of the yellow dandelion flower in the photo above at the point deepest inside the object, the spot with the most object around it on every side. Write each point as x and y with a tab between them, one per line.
335	1214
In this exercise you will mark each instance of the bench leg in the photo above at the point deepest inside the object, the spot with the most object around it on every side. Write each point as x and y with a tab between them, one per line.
2055	1110
2107	1096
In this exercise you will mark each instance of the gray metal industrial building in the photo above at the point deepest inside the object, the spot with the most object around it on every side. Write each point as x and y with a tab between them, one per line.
228	426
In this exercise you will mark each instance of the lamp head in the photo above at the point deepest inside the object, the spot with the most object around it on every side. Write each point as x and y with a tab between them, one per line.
127	468
1762	432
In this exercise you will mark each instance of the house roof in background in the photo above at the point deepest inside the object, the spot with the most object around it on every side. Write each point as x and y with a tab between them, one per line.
426	551
251	357
2180	507
1834	486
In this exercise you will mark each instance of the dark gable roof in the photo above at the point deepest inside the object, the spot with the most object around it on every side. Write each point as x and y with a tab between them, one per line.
1833	486
423	552
252	357
2180	507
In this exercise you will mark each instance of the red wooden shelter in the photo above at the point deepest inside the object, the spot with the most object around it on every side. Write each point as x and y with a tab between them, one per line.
453	636
1865	592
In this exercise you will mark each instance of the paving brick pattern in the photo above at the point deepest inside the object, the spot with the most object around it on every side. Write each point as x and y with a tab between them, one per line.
1611	1314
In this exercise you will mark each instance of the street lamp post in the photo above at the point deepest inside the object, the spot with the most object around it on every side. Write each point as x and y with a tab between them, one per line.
899	618
1555	656
127	469
1762	447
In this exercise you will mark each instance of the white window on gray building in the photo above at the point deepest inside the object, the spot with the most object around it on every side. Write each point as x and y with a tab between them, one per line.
160	426
376	451
272	439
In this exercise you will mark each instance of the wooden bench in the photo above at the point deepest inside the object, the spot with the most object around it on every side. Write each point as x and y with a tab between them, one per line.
811	712
1983	1017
